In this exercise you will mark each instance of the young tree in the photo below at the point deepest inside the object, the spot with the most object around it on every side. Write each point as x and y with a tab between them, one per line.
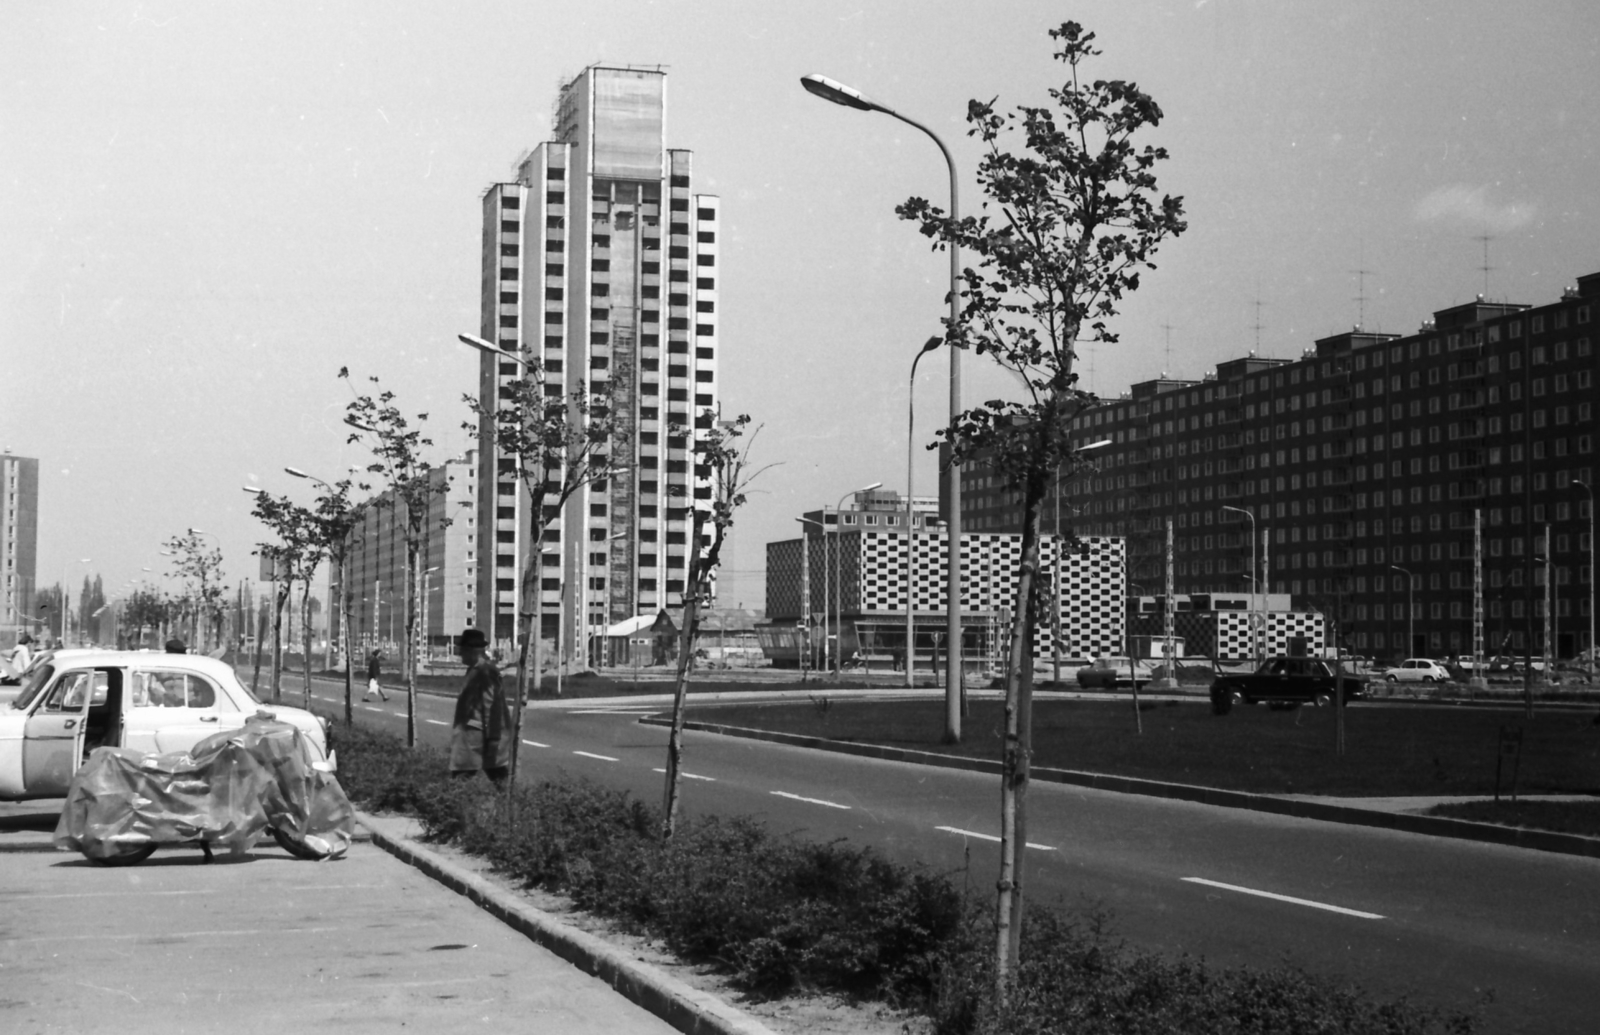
559	444
200	568
720	458
1071	219
294	557
397	448
144	608
335	521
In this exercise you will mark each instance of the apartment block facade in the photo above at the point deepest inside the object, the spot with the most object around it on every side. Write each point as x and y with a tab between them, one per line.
447	564
601	261
19	545
1381	467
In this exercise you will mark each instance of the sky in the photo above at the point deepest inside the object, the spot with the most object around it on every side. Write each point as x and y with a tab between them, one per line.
207	209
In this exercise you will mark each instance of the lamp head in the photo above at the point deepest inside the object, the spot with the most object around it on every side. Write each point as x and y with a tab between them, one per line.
835	91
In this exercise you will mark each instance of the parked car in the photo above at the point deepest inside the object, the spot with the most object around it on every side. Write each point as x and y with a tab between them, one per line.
142	700
1417	670
1112	672
1284	683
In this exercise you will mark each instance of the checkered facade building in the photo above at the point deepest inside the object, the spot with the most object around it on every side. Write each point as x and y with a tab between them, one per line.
1226	636
872	583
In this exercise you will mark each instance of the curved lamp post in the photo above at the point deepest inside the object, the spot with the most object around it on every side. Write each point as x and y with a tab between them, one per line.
1586	487
838	93
911	535
838	578
1256	638
1411	636
805	587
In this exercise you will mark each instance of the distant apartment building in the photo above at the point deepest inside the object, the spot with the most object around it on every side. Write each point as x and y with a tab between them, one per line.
1378	465
601	260
19	544
447	565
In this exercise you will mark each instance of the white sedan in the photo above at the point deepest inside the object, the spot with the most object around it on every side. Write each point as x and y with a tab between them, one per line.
134	699
1418	670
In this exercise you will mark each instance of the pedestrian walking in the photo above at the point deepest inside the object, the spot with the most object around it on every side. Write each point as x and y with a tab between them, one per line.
374	671
480	734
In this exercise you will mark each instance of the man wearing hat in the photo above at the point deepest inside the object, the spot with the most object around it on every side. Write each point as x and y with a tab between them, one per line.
480	735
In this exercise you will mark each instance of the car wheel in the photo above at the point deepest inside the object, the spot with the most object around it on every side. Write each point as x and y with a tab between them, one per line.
1391	678
129	857
1322	700
1427	679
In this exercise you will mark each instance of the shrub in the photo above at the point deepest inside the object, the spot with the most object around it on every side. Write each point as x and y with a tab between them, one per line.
779	914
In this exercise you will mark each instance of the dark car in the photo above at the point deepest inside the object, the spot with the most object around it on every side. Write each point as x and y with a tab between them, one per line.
1283	683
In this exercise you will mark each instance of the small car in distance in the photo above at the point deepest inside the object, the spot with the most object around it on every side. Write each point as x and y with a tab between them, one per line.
1112	672
1284	683
1417	670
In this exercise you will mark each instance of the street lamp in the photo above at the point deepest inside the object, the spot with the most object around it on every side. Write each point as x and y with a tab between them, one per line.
805	588
838	93
911	537
1586	487
1257	618
838	578
1411	617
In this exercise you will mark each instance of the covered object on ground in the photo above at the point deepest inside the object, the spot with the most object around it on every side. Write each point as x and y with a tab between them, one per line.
226	793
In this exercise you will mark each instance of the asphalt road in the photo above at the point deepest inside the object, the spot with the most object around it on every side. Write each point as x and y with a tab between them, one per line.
1437	920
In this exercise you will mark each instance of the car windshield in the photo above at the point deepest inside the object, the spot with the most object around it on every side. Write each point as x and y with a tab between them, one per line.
38	678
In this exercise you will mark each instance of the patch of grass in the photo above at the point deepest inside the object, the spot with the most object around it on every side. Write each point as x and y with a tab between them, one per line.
1563	817
1390	749
782	915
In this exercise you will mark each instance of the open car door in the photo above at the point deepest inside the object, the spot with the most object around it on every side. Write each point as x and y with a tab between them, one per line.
80	711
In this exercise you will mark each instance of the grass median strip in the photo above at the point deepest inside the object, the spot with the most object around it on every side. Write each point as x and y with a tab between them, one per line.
1283	898
1392	750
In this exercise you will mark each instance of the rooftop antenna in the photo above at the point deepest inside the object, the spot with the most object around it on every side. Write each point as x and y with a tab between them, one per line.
1167	372
1485	268
1257	325
1361	287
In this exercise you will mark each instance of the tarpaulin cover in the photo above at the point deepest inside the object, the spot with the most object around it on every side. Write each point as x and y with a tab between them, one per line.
226	792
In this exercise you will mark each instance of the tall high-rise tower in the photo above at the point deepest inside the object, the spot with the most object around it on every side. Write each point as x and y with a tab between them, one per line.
19	540
600	260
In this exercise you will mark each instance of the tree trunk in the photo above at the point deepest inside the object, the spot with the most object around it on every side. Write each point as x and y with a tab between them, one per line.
305	642
530	618
1018	749
412	579
686	635
260	624
345	641
279	599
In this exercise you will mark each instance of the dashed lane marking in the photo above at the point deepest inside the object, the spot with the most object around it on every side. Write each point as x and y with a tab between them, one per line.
437	722
690	776
809	801
613	711
1284	898
990	837
535	744
603	758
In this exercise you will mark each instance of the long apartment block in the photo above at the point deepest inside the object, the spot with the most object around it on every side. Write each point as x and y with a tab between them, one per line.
1388	471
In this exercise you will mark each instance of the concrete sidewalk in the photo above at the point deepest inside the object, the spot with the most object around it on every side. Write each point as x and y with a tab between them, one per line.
267	943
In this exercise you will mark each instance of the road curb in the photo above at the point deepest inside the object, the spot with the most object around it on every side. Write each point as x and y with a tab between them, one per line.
1439	826
685	1008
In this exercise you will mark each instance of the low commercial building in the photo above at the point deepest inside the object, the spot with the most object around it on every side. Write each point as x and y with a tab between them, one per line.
847	588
